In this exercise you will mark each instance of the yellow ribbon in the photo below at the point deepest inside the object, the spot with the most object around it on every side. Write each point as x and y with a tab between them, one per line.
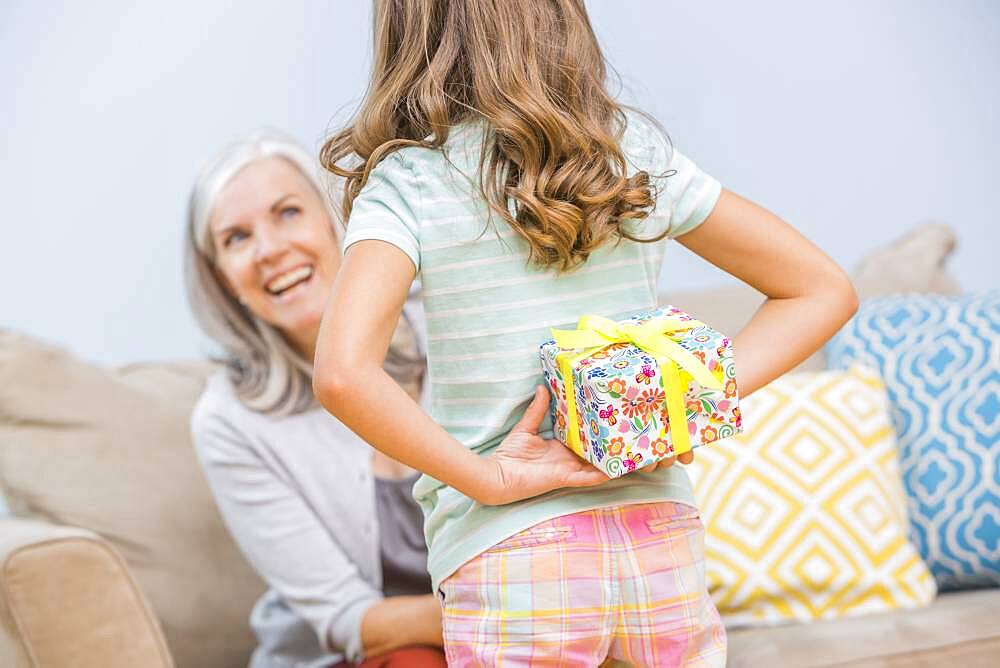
595	333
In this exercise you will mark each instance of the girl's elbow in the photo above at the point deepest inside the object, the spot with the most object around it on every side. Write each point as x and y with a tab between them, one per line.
329	383
846	296
853	301
833	288
850	298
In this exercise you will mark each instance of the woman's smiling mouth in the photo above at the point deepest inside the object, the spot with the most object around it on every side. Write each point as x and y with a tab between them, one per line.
285	282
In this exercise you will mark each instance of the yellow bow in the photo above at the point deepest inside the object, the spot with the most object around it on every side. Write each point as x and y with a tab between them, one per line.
594	333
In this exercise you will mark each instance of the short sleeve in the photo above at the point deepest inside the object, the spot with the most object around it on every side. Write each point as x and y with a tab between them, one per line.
685	194
690	194
387	208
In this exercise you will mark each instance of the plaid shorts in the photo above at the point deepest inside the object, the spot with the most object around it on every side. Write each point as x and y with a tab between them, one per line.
624	583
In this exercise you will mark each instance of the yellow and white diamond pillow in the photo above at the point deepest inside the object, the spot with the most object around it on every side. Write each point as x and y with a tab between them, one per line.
804	512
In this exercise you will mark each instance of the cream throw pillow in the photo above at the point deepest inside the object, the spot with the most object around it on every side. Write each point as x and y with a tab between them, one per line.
804	512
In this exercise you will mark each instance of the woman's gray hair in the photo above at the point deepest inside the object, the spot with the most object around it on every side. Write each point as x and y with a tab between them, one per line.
269	375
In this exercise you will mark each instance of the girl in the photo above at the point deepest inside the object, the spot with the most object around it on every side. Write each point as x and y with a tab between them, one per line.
489	159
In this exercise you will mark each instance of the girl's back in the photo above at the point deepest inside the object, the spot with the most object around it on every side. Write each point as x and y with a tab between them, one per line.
488	309
496	110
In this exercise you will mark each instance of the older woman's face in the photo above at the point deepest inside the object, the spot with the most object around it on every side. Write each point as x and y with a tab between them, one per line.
275	248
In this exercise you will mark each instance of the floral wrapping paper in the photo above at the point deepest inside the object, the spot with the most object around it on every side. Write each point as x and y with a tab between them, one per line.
621	412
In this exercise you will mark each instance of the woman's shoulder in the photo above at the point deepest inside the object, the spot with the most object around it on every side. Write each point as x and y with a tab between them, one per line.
222	424
218	414
218	398
221	421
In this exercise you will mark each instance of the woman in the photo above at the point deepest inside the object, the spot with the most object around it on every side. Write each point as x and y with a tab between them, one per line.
327	521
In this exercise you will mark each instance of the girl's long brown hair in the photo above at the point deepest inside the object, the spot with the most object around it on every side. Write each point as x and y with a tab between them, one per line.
533	70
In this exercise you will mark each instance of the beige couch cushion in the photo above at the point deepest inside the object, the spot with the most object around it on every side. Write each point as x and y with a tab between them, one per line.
68	600
912	263
957	629
109	450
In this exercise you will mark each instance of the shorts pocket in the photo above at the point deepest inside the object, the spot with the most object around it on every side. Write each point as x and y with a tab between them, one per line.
541	534
679	517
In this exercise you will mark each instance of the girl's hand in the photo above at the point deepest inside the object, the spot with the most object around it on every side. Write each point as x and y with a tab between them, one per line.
683	458
526	465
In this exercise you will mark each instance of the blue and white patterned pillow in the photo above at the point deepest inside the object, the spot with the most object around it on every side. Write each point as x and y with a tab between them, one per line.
940	359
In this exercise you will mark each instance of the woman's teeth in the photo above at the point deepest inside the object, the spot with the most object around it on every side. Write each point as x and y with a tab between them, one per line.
289	279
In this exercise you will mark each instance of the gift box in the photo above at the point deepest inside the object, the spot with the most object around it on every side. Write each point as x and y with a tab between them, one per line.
627	394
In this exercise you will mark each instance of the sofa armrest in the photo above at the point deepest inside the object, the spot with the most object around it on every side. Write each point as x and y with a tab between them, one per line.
67	598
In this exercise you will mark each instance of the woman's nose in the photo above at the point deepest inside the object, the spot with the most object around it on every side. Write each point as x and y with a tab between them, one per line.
270	245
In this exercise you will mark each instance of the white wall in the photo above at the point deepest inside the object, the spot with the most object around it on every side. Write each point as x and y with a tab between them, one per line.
852	120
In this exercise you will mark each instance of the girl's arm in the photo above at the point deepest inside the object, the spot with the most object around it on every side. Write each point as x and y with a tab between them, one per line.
349	381
808	296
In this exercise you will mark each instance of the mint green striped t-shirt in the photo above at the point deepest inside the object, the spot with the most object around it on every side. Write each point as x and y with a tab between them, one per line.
488	311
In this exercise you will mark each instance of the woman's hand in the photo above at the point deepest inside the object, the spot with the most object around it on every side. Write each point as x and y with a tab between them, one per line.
526	465
399	621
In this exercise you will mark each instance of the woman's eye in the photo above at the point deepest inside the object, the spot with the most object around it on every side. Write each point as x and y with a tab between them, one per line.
290	212
233	238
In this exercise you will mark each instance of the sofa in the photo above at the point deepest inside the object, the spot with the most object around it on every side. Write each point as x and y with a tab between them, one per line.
114	554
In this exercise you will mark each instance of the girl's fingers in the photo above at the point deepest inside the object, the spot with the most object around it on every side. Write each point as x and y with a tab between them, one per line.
535	412
586	477
686	457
